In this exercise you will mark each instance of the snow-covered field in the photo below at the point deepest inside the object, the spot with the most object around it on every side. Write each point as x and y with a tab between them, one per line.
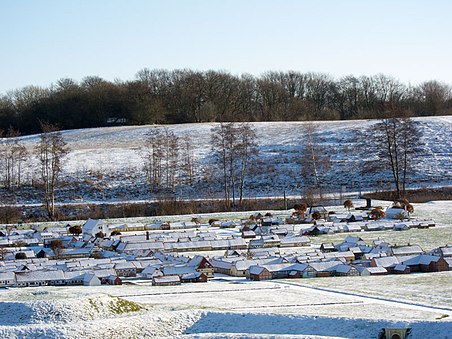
335	307
225	307
106	163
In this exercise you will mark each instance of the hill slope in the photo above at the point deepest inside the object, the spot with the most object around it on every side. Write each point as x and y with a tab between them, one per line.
105	163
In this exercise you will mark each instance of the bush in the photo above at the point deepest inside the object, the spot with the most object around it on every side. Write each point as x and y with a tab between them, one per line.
348	204
76	230
20	255
316	215
56	246
377	213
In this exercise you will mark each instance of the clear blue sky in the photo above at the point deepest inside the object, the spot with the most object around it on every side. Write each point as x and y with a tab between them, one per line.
43	41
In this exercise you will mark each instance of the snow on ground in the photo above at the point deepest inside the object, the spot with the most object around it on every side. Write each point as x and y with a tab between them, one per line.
107	165
228	307
225	308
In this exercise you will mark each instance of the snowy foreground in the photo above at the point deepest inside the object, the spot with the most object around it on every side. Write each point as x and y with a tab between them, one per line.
235	308
225	307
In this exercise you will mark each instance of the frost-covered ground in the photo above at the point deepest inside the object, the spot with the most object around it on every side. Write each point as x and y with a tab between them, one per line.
227	307
233	308
105	163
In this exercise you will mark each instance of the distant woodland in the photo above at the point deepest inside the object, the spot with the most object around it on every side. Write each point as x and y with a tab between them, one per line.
188	96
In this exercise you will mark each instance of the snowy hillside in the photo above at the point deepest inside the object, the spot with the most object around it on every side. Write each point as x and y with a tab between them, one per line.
107	165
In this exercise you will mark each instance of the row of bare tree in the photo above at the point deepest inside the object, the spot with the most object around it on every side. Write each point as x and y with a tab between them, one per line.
169	162
179	96
50	152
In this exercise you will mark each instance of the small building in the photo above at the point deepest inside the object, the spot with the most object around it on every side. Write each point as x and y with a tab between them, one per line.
92	227
202	265
396	213
296	241
150	272
126	269
400	269
40	278
248	234
326	248
7	279
221	266
194	277
90	279
426	263
345	270
113	280
367	271
258	273
406	250
166	281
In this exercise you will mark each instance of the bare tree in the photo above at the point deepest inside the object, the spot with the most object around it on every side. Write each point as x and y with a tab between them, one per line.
153	155
221	143
13	154
394	142
161	155
315	159
233	145
51	151
171	150
57	247
187	159
246	148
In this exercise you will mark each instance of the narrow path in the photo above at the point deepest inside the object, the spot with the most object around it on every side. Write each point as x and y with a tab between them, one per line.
299	305
201	291
380	300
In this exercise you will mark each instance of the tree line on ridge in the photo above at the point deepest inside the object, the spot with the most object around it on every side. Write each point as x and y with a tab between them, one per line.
187	96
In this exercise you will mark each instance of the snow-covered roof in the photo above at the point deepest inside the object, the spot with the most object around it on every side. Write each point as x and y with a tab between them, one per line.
91	224
167	279
386	261
376	270
406	250
32	276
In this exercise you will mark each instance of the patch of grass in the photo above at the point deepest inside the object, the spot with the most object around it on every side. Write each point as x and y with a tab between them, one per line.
93	304
427	239
120	306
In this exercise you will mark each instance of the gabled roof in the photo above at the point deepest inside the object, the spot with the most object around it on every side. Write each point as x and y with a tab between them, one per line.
226	265
324	266
406	250
296	239
87	277
446	251
400	268
423	259
386	261
285	267
39	276
341	268
375	270
178	270
91	224
6	276
256	269
167	279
